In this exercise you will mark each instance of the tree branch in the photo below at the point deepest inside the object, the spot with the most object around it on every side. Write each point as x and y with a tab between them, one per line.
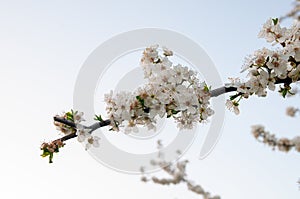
64	121
93	127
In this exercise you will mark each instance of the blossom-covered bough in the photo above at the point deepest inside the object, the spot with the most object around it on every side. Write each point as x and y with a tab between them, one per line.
175	91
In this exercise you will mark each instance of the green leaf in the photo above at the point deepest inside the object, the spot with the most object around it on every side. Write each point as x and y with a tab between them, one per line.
174	112
285	90
98	118
232	97
207	88
275	21
235	103
70	115
142	101
45	153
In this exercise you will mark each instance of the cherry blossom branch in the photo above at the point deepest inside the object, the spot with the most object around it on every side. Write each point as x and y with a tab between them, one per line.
213	93
265	69
176	91
177	173
283	144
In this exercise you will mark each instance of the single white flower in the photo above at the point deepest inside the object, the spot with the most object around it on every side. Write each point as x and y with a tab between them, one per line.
267	79
92	141
279	66
78	117
157	109
82	134
294	74
232	106
187	101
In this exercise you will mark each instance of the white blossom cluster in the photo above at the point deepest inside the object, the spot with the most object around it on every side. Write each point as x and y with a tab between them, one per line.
171	91
283	144
177	174
267	67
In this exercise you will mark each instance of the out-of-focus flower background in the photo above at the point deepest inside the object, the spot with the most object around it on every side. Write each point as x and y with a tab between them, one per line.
43	45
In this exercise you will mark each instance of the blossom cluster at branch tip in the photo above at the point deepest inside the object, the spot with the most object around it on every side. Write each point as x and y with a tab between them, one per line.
50	148
283	144
171	91
82	133
267	67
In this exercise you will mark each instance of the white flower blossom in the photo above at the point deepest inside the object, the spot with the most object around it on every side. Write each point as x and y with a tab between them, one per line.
294	74
232	106
78	117
92	141
278	64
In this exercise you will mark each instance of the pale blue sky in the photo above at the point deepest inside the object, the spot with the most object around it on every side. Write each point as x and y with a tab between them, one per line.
43	45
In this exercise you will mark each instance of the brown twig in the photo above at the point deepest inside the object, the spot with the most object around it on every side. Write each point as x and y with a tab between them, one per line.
73	125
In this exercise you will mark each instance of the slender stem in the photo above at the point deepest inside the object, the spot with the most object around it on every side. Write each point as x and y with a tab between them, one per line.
67	137
65	121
